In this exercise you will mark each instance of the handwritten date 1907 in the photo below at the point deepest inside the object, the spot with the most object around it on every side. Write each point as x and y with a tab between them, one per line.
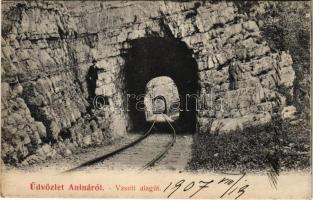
234	187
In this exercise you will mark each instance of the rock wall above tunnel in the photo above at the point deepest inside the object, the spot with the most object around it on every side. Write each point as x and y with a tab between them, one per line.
48	47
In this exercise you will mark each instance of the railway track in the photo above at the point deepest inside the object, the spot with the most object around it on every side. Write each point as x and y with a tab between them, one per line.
162	154
150	164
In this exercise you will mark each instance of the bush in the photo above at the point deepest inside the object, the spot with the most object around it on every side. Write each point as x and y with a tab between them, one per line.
254	148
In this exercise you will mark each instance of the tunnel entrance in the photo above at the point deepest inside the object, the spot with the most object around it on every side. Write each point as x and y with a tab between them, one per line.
153	57
161	98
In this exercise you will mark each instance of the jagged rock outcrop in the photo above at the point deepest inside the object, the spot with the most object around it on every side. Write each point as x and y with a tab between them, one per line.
48	47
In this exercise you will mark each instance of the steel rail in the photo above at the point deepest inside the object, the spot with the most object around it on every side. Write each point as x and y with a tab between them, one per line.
115	152
162	154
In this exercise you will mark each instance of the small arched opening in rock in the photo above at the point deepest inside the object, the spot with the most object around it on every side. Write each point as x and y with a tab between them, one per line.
153	57
162	102
65	134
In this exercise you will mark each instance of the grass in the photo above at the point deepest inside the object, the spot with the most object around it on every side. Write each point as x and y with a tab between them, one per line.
254	149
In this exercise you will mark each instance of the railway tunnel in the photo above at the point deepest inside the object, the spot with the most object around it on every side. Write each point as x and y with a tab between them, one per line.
151	58
162	102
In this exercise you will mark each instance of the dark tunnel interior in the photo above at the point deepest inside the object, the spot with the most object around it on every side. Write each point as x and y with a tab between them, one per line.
153	57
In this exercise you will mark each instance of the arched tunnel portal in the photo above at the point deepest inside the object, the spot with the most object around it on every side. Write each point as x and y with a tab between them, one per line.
153	57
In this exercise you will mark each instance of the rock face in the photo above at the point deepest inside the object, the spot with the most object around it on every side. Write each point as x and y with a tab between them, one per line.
48	48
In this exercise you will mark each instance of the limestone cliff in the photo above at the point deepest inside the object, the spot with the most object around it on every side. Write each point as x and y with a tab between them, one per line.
48	47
